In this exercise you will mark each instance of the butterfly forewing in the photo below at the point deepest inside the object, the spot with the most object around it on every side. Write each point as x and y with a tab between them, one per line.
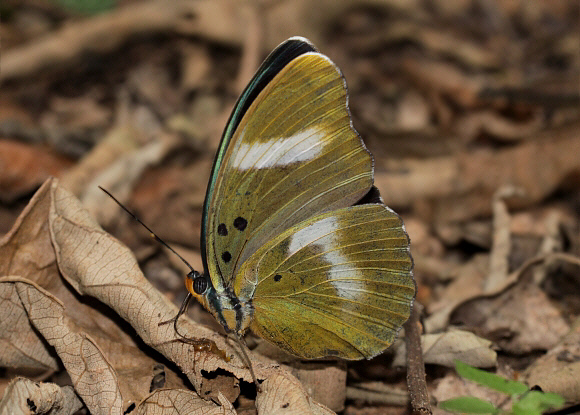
293	155
337	284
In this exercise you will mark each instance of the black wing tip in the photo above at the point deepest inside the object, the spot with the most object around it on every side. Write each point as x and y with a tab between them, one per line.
296	45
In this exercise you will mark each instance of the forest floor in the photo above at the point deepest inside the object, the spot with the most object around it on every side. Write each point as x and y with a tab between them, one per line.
471	110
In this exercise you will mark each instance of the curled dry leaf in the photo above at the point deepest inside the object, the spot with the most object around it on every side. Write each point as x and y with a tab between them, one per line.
326	381
501	241
27	252
93	376
495	125
467	285
55	233
279	397
120	177
119	141
179	401
520	319
557	371
22	346
24	167
464	184
444	348
23	397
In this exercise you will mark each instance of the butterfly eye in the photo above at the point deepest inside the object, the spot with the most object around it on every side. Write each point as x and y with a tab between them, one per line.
199	284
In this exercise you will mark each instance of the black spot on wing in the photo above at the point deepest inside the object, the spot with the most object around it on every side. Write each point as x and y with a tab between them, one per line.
240	223
222	229
277	277
226	256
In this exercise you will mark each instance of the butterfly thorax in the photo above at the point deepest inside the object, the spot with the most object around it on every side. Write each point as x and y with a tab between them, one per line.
233	314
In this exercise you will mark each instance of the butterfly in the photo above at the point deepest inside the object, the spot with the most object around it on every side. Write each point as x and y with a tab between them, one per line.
296	243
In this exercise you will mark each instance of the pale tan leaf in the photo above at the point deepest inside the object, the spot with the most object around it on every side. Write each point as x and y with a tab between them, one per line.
24	397
180	401
120	176
519	320
325	381
27	251
21	346
94	378
444	348
97	265
285	395
557	371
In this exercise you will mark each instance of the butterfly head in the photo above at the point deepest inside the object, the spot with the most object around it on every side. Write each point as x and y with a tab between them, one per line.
198	285
234	315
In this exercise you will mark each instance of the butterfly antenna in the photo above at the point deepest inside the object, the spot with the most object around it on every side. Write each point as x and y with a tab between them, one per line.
248	362
151	233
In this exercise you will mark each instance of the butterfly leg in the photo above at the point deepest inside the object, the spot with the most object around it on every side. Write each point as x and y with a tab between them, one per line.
200	345
243	346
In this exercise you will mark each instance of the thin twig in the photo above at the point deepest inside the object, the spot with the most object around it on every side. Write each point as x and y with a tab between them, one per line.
415	366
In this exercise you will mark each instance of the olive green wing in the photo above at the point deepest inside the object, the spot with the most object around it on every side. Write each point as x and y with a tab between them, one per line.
293	155
338	284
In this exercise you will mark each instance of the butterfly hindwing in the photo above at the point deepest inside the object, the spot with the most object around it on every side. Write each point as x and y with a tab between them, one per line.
337	284
293	155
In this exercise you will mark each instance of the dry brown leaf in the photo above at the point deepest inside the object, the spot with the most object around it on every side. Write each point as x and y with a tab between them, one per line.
464	185
94	378
520	319
118	141
324	381
501	242
179	401
27	251
557	371
24	167
279	397
22	346
446	80
120	177
473	124
444	348
467	285
97	265
23	397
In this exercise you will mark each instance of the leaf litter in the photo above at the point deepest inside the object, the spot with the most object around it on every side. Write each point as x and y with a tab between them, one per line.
456	101
63	260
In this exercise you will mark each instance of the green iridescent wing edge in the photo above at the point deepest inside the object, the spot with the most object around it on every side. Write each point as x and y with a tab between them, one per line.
272	65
